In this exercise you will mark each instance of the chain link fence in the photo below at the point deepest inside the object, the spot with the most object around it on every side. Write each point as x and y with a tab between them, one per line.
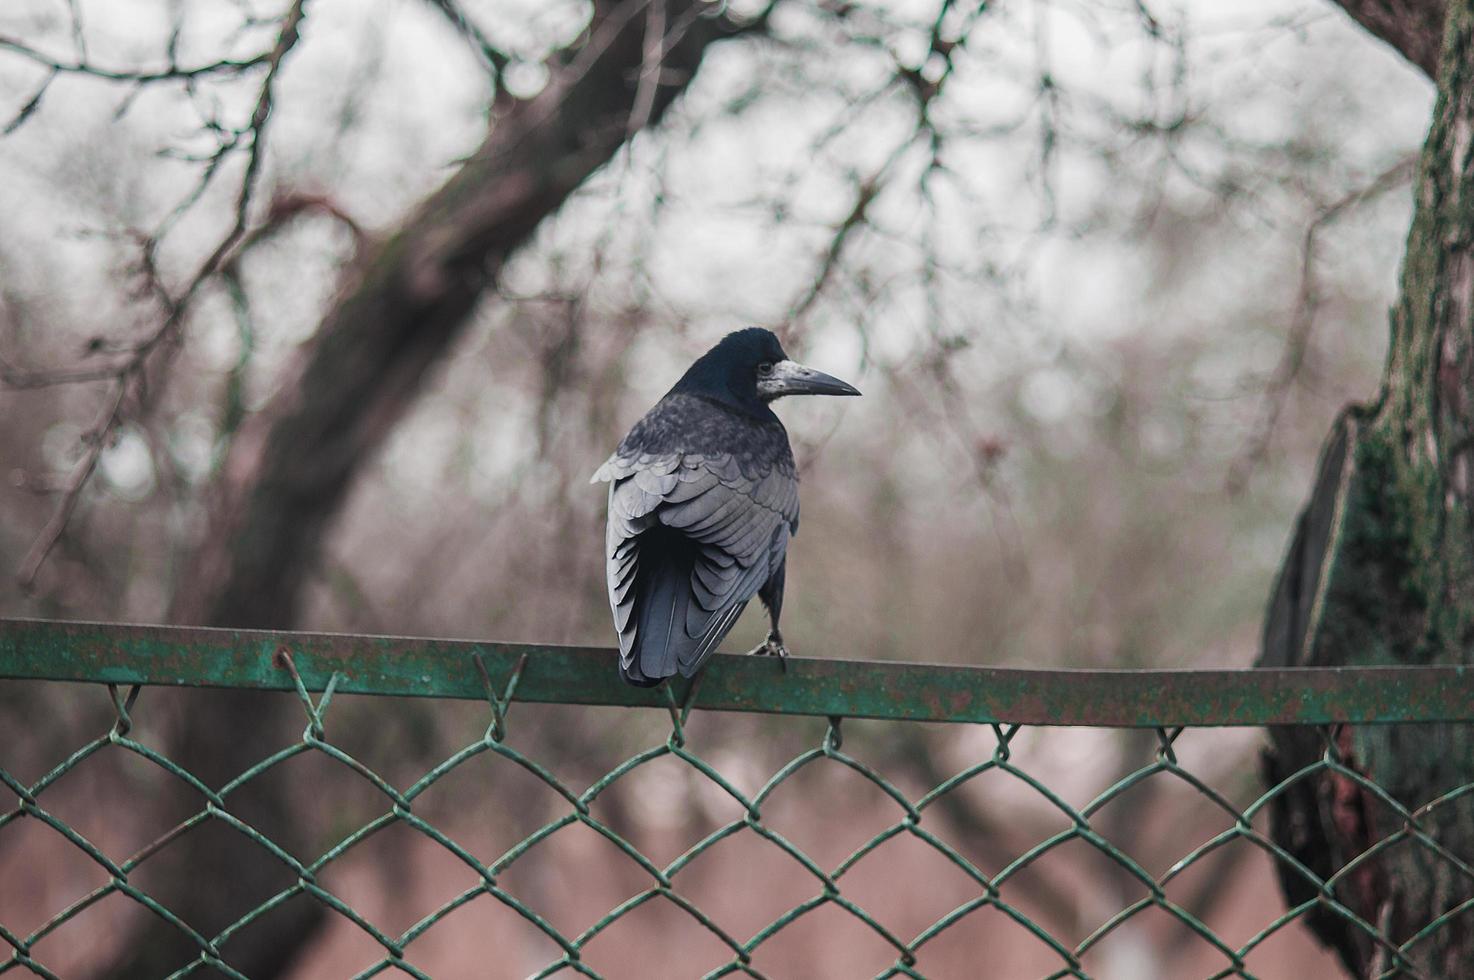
851	891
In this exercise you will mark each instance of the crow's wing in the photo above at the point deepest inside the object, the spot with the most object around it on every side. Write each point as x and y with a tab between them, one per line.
734	517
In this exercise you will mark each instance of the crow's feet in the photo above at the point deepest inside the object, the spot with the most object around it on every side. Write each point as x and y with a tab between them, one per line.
772	647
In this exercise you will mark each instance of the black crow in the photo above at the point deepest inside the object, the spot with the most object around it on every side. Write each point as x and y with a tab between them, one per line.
703	497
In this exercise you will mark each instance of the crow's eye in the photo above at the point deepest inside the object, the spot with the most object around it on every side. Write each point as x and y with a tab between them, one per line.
765	369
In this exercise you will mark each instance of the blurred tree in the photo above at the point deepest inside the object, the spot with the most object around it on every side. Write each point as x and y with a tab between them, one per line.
1381	568
407	296
919	100
1413	27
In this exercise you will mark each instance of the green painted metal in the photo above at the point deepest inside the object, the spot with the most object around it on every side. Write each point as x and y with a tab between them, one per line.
47	650
308	665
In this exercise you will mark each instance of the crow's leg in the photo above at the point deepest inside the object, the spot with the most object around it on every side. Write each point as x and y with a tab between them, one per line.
772	595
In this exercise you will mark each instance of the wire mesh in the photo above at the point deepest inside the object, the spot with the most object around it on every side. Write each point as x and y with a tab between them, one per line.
991	888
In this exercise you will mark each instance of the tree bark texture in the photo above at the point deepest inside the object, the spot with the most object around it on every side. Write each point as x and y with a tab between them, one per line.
290	466
1381	571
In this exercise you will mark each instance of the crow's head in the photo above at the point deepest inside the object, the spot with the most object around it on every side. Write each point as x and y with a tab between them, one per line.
749	368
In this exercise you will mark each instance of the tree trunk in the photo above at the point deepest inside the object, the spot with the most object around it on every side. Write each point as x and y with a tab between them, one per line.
1413	27
290	467
1381	571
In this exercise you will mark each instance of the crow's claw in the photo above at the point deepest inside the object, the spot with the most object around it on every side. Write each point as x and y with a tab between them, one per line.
772	647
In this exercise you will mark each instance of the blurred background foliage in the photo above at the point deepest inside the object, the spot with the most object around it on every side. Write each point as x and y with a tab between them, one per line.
1068	310
1104	270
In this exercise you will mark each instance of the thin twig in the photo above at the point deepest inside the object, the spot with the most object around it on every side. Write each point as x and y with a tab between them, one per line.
495	58
130	374
79	35
224	66
1302	320
651	58
865	194
96	441
34	103
16	377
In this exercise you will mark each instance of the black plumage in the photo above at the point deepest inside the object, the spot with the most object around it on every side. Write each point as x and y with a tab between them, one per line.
703	497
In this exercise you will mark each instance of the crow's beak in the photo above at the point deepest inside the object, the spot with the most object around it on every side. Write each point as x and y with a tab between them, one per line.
792	378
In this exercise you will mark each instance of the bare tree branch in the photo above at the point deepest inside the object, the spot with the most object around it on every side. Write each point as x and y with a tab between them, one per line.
29	109
495	58
129	374
95	440
290	465
1302	320
171	72
293	462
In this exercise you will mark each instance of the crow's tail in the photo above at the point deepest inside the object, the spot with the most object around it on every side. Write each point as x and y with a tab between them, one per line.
663	593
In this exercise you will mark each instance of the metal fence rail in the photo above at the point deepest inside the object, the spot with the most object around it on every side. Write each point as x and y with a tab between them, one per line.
315	667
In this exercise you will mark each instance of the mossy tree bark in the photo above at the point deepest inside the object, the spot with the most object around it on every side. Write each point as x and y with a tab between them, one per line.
1381	571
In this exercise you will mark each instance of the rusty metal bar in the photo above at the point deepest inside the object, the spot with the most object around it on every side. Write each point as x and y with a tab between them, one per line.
48	650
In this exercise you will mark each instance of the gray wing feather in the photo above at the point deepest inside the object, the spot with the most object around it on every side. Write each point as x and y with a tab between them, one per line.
692	484
741	518
716	556
717	507
714	635
713	581
656	483
746	586
743	526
